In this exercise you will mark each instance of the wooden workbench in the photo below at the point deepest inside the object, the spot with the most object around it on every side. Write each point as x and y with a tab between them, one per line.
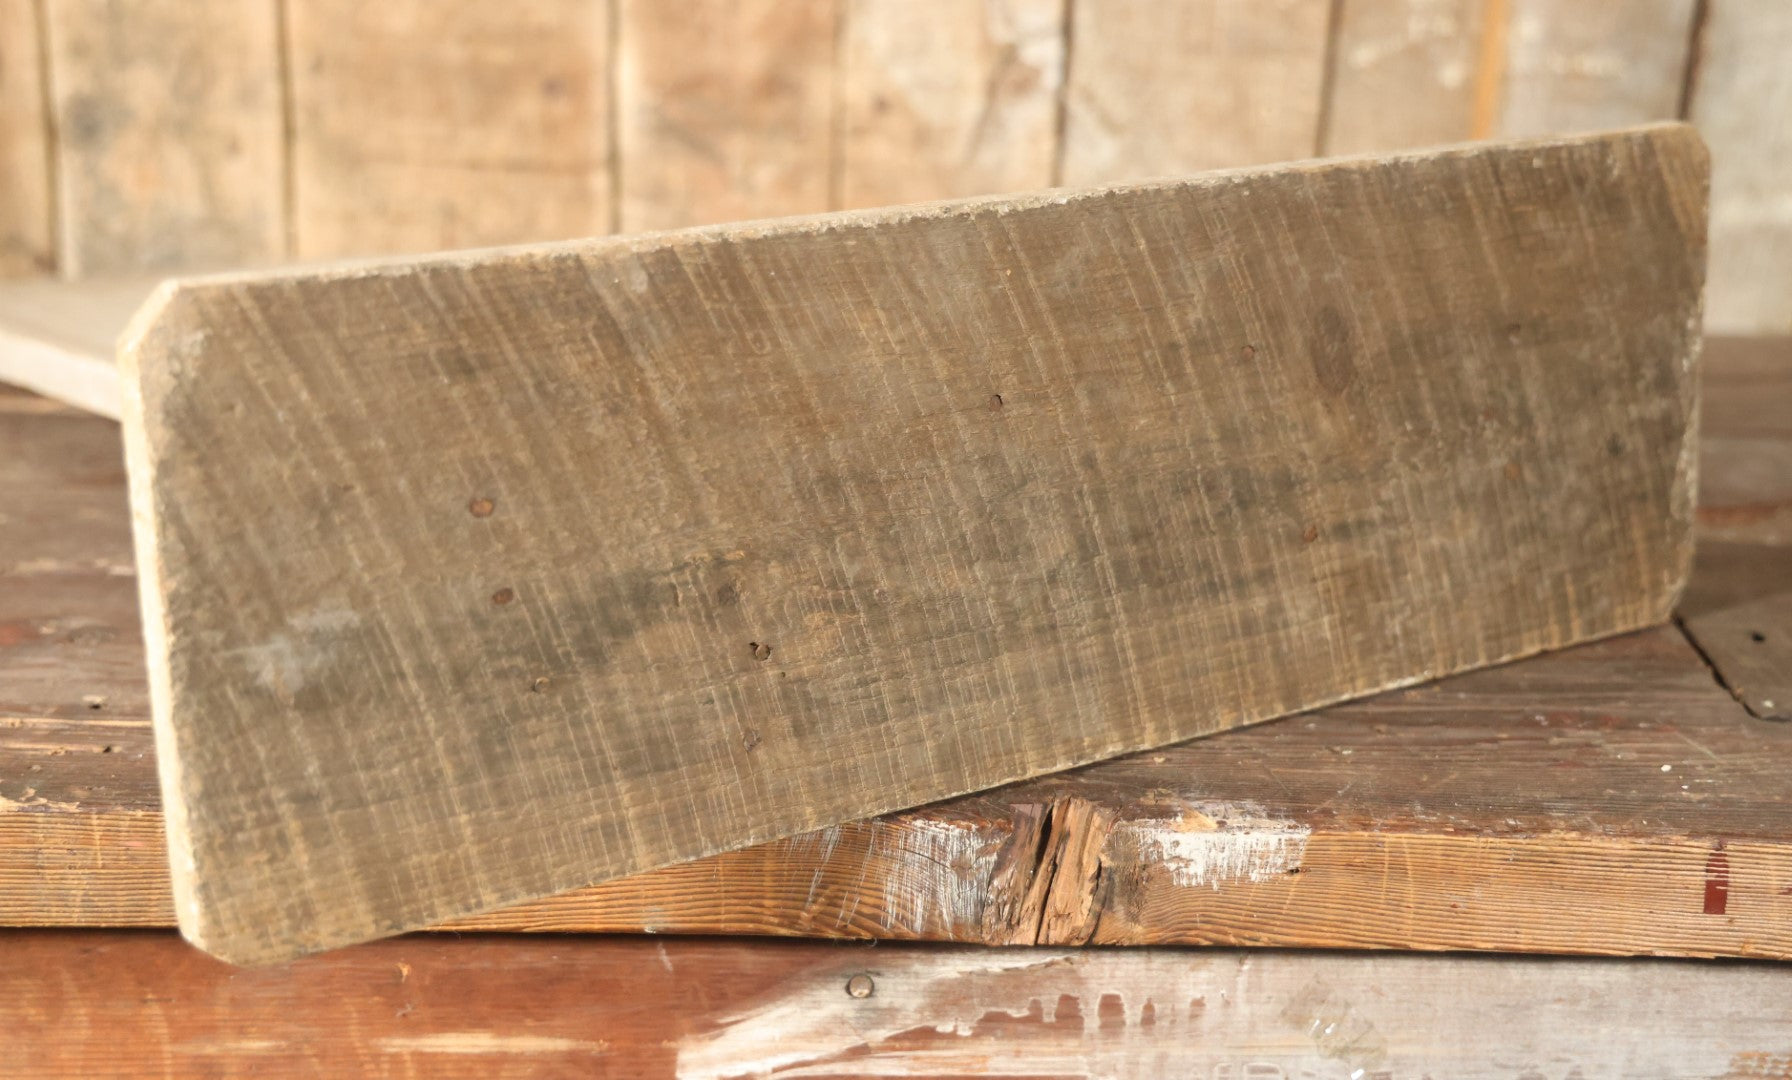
1613	798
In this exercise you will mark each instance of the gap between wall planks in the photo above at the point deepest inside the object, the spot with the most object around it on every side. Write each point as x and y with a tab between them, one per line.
1543	798
89	1005
992	541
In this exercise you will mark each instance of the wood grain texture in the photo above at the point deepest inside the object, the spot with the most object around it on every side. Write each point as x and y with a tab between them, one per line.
57	338
27	245
1493	810
725	110
421	127
942	99
640	550
170	152
89	1006
1588	66
1404	74
1159	89
1740	100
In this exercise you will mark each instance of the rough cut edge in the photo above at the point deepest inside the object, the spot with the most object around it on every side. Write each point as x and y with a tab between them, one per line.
157	641
170	308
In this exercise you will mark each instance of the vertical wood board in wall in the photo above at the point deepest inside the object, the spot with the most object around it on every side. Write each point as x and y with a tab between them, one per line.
26	246
474	578
725	110
422	126
1404	74
947	98
1160	89
1588	66
169	149
1742	102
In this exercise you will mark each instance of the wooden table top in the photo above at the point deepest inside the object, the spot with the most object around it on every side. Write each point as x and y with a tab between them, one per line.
1612	798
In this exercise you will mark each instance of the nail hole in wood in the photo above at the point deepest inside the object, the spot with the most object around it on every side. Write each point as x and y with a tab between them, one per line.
761	651
1756	635
481	507
995	403
503	596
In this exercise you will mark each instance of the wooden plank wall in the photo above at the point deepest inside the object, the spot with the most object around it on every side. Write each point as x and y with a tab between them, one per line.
180	134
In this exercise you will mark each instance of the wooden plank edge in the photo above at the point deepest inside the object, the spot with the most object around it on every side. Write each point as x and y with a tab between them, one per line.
1001	881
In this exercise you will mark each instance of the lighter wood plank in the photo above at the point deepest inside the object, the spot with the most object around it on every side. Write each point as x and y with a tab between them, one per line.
1587	66
1160	89
725	109
420	126
1750	645
57	338
1404	74
169	154
943	98
1740	102
26	244
95	1005
645	549
1413	72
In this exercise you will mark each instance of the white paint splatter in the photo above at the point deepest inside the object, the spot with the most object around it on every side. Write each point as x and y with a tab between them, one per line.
1212	844
287	660
939	873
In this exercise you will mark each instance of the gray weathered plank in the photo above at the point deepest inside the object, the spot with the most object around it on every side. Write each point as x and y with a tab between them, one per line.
472	578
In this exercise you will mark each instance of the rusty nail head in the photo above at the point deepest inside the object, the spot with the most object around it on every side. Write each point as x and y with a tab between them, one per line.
860	986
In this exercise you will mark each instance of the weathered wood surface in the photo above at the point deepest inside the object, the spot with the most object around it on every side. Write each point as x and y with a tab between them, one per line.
1157	89
420	126
642	550
27	244
725	110
170	152
947	98
93	1005
1521	828
58	338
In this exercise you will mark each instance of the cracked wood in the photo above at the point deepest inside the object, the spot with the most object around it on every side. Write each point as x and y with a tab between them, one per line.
474	578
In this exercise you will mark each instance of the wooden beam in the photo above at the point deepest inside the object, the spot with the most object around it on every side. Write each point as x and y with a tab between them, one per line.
96	1005
641	550
1489	811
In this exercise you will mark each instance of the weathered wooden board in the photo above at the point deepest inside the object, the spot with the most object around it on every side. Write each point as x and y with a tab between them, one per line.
58	338
1741	97
1160	89
943	98
471	579
420	126
170	153
93	1005
26	242
1487	811
725	110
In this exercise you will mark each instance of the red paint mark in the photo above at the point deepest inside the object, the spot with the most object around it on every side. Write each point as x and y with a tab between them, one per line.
1717	881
